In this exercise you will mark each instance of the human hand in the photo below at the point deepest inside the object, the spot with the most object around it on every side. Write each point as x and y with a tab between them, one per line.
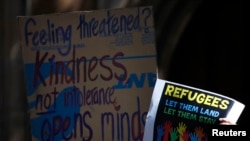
225	121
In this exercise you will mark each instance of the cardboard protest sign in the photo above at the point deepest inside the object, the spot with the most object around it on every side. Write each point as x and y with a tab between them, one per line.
89	74
181	112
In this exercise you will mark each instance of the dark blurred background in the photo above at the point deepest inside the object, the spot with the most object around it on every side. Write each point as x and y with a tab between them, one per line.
198	42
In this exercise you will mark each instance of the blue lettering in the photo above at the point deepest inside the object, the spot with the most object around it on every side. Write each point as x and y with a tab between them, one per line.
138	82
125	123
51	35
61	127
109	25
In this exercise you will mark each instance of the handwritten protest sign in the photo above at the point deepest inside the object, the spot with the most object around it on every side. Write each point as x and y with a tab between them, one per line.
182	112
89	74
